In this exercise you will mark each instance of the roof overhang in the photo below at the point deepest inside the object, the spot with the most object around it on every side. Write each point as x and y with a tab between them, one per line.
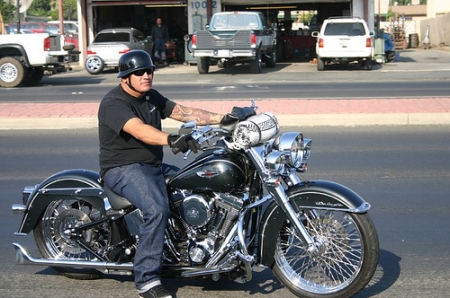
277	2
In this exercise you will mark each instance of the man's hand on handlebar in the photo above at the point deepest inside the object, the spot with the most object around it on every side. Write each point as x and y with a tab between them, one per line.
182	143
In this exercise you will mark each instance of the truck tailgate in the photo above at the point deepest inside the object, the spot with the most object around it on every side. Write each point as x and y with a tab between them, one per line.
230	40
345	45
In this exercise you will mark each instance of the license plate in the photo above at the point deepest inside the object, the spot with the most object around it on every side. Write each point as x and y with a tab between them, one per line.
223	53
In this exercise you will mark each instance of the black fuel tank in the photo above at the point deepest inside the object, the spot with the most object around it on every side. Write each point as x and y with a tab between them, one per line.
222	172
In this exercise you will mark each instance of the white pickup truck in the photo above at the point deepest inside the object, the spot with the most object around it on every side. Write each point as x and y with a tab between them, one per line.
25	57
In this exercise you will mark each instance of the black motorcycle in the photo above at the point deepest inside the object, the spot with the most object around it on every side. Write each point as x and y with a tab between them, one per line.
237	206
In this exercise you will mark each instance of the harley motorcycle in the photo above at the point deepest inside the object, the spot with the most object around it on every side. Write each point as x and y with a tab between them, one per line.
238	206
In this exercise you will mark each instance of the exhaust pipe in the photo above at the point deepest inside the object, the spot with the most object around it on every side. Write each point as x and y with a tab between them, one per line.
24	258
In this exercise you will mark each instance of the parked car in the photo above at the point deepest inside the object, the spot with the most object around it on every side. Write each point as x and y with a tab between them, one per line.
110	44
69	26
343	40
39	27
13	30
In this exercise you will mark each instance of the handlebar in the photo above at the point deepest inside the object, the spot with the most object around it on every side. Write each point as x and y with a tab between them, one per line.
203	135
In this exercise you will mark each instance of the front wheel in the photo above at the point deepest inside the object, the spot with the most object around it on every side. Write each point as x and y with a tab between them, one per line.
344	263
271	58
54	240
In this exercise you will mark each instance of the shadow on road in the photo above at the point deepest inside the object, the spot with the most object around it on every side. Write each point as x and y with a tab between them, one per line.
264	283
387	273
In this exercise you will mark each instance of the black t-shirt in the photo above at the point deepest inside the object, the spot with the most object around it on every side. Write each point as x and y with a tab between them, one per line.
118	148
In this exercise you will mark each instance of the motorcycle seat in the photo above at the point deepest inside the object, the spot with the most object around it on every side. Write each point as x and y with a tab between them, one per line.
116	201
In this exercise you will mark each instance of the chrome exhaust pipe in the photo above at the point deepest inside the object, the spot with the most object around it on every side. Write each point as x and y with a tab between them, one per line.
24	258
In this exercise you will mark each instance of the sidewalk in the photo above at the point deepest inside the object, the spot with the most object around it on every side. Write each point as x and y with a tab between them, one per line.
289	112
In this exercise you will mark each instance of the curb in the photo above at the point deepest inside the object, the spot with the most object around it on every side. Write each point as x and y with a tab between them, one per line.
289	112
307	120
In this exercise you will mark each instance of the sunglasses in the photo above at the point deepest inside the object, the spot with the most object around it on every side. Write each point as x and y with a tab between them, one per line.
140	73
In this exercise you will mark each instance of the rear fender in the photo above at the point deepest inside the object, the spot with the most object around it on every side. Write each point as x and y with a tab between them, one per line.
15	50
317	194
83	184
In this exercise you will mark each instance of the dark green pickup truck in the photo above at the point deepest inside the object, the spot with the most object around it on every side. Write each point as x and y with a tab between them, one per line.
235	37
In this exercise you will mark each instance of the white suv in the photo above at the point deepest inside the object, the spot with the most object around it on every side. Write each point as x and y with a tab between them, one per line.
344	40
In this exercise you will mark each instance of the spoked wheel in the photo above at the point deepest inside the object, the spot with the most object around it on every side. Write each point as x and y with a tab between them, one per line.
344	263
55	240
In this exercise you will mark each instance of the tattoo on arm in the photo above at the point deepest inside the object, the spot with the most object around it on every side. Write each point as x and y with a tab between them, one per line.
201	117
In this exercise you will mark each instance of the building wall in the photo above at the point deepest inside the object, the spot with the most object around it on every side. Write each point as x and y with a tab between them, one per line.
437	8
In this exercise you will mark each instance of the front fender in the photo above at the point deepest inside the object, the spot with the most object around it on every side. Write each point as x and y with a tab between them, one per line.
69	183
317	194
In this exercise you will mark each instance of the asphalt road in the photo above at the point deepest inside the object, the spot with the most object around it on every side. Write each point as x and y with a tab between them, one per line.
419	73
402	171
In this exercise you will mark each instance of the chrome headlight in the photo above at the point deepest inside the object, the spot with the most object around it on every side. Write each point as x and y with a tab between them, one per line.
296	146
275	162
291	143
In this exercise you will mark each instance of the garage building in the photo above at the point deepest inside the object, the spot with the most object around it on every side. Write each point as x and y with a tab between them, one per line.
183	17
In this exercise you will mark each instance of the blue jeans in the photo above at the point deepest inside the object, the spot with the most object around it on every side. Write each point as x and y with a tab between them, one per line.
144	186
160	49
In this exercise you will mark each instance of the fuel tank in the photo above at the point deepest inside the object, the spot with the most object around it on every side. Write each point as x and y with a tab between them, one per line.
214	170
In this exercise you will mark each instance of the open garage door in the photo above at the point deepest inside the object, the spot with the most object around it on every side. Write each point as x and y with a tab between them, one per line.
295	20
142	16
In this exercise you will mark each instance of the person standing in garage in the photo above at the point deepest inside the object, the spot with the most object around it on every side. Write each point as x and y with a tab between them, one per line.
160	35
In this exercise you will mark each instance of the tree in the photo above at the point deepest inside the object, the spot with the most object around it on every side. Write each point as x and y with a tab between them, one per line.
8	11
40	8
69	10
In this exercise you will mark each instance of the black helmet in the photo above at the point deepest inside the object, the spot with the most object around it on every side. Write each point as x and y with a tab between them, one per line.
133	61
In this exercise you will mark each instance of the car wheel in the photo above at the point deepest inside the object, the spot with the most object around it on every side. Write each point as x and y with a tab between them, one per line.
320	64
368	64
12	72
202	65
255	64
271	58
33	76
94	65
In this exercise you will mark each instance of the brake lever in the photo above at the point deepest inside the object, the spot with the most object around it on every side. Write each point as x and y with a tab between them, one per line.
185	156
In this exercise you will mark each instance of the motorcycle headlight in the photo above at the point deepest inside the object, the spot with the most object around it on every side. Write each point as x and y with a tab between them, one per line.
275	162
291	143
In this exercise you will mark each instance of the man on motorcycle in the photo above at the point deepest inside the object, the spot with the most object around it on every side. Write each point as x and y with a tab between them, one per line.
131	154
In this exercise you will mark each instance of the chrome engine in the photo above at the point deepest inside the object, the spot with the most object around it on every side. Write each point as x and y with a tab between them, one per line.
202	222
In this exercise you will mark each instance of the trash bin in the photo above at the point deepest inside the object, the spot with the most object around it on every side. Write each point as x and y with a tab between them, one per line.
414	40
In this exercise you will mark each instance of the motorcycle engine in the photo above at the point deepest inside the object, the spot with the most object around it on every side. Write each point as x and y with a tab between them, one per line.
206	220
196	211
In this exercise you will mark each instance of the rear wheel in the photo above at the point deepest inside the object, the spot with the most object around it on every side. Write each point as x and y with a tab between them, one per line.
255	64
202	65
320	64
54	237
94	65
33	76
12	72
368	64
344	263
